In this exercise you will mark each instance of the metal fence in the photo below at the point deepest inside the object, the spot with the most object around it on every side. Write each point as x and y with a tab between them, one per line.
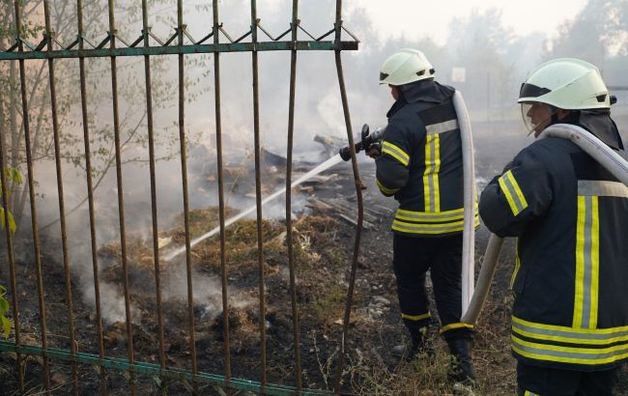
147	44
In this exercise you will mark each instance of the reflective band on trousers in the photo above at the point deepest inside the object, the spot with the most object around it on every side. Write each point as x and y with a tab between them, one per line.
563	354
587	263
512	191
455	326
431	187
416	317
395	152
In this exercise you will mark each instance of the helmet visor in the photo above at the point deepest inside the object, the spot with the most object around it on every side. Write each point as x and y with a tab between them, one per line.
536	116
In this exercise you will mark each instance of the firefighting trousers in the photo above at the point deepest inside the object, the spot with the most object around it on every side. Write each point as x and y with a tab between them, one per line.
442	256
533	380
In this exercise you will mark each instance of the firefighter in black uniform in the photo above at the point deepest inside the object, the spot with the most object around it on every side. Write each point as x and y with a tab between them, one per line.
419	162
570	313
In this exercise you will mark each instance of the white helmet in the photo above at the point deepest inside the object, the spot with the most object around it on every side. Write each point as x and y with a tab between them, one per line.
569	84
406	66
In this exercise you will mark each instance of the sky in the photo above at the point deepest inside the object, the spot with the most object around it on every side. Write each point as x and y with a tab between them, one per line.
391	18
418	18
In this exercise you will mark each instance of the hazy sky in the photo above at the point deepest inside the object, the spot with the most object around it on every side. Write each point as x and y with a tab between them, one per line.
418	18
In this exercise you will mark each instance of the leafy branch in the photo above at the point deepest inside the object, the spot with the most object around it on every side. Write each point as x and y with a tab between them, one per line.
15	177
5	323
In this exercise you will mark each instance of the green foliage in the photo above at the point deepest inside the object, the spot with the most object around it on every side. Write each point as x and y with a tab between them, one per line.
5	323
12	224
14	177
130	90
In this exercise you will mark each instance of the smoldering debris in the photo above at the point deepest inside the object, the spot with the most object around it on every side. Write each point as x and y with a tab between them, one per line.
319	268
314	232
313	238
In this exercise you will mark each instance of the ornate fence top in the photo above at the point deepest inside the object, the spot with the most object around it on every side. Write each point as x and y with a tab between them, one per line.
154	45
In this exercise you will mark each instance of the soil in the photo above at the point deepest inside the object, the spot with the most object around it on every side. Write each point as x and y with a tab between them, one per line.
322	250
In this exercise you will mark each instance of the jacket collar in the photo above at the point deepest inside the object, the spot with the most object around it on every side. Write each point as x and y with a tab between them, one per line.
423	91
600	124
428	91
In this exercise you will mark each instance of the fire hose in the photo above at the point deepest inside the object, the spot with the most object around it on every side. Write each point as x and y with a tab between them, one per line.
469	198
590	144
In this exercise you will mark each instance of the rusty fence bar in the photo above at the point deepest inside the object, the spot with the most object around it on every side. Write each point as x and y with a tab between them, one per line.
221	198
184	178
50	49
258	197
121	218
60	192
358	190
33	206
293	291
153	185
90	196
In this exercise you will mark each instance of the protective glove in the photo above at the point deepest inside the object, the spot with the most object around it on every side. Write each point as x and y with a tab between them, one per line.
375	149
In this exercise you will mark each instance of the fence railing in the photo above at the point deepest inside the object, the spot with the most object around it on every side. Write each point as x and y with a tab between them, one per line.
147	44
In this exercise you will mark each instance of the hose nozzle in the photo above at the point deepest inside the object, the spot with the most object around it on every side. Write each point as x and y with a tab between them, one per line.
366	140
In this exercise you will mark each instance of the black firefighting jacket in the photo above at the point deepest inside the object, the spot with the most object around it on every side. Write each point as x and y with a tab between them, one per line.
571	272
421	161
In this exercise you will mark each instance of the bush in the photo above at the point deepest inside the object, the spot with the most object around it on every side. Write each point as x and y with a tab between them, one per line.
5	323
14	177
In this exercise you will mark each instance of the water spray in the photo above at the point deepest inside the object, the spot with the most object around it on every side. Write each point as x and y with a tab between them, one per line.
320	168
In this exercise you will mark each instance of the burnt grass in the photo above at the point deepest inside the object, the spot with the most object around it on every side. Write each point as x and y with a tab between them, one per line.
322	251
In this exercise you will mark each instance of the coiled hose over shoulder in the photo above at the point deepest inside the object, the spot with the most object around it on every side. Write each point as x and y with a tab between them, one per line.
590	144
593	146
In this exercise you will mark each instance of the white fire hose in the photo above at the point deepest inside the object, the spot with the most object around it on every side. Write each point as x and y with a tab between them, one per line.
468	234
590	144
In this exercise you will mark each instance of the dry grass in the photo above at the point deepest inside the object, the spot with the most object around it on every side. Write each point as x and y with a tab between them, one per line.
322	262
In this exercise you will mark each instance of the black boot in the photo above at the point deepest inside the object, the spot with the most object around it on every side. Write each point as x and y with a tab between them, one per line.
418	344
461	369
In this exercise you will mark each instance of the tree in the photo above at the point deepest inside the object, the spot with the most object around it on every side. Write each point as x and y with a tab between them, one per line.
131	93
480	43
598	31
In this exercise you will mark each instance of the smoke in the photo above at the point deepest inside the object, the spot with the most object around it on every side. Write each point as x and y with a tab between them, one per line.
112	301
207	292
494	59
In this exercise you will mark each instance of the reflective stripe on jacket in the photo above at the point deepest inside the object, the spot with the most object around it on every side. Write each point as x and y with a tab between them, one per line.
571	217
421	162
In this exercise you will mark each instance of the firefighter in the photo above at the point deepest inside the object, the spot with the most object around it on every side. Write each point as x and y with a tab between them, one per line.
419	162
570	310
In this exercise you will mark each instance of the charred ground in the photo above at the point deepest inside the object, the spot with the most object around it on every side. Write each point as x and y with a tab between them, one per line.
323	239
